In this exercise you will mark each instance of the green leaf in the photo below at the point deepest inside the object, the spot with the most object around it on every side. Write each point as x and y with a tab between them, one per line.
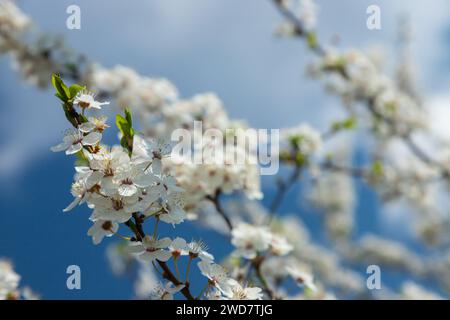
74	89
346	124
62	92
125	126
128	116
60	97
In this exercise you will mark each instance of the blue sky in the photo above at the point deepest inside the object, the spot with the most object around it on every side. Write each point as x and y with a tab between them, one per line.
227	47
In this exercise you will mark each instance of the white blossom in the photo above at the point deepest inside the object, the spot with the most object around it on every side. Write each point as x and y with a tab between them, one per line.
151	249
240	292
165	292
302	278
101	229
75	140
250	240
9	280
86	100
217	276
199	249
179	247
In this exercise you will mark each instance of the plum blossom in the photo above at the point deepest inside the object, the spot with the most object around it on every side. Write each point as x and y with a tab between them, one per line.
83	188
151	249
75	140
280	246
115	208
250	240
94	124
198	249
178	247
240	292
217	276
101	229
165	292
302	138
9	280
86	100
302	278
131	179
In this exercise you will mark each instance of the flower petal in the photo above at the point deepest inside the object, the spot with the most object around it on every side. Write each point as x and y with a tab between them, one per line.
74	148
92	139
86	127
127	190
60	147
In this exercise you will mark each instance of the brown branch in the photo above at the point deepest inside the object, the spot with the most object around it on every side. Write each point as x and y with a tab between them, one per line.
215	200
283	188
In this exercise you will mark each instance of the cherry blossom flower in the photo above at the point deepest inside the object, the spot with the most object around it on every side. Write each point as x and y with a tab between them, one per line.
101	229
131	179
302	138
302	278
151	249
94	123
178	247
217	276
9	280
250	240
165	292
75	140
151	152
280	246
86	100
173	209
116	208
240	292
198	249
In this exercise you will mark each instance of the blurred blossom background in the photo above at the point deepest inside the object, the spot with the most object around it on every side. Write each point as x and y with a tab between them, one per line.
230	48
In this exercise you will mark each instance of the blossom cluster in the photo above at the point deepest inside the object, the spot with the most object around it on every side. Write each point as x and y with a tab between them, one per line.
9	284
299	143
354	77
125	184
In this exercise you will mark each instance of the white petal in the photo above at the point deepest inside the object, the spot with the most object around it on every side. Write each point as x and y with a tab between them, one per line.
74	148
120	216
73	204
138	248
60	147
144	180
164	243
148	256
97	238
156	166
127	190
163	255
205	256
93	179
92	138
86	127
109	188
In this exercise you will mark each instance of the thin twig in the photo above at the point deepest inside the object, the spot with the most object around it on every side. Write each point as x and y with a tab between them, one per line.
215	200
282	190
